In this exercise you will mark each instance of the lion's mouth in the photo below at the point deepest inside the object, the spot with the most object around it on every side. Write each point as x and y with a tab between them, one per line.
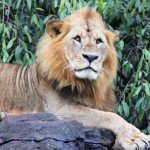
86	69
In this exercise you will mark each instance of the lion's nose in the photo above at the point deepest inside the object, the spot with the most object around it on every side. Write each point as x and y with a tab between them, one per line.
90	58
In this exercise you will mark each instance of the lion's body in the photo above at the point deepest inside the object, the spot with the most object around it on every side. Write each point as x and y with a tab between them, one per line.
19	88
71	78
27	85
24	90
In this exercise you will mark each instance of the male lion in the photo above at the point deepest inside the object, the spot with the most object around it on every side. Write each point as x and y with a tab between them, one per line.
72	78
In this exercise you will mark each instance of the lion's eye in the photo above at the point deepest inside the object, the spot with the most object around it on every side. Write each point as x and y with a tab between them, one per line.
99	40
77	38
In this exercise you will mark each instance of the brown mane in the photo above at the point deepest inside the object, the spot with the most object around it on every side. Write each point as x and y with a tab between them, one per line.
50	57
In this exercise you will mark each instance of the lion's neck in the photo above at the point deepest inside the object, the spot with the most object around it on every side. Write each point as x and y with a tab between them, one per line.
72	94
89	93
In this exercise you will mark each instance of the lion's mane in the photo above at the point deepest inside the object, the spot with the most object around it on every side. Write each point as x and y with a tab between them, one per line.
50	57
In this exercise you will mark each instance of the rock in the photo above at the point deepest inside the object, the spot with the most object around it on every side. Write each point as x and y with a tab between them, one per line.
44	131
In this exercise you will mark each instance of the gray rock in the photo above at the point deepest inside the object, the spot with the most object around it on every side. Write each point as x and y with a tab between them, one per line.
44	131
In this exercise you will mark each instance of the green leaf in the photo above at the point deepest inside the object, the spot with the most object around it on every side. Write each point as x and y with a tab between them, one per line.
101	5
5	53
29	3
18	3
10	57
147	88
120	109
121	44
4	46
24	46
139	102
138	3
6	30
35	20
147	54
18	51
125	108
1	27
136	91
140	117
147	130
10	43
40	9
26	31
130	4
47	18
55	3
74	3
27	59
61	6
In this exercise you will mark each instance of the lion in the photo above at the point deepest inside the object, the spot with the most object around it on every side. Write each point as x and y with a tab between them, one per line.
72	78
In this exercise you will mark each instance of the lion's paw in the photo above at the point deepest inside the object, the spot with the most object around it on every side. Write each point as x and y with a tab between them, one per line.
132	139
2	115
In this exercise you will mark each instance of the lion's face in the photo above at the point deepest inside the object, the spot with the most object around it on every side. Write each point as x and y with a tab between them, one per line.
79	46
85	51
79	52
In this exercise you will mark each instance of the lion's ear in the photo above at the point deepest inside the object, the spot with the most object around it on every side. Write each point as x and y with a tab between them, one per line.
53	27
112	36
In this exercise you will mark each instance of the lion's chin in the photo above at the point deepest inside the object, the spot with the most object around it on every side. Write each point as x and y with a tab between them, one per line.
86	74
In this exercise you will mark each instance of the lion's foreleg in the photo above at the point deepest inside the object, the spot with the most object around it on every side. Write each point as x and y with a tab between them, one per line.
127	136
92	117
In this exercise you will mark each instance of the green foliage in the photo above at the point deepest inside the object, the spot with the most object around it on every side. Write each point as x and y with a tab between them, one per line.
22	23
132	18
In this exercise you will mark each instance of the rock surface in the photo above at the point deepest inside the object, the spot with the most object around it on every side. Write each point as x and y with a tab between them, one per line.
44	131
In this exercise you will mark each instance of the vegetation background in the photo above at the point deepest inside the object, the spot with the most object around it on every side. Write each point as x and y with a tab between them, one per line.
22	22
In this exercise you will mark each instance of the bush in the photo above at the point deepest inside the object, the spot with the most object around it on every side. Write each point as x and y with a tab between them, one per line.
133	81
22	23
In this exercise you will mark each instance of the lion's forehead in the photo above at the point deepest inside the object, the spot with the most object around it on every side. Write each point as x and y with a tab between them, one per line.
85	29
88	25
86	17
